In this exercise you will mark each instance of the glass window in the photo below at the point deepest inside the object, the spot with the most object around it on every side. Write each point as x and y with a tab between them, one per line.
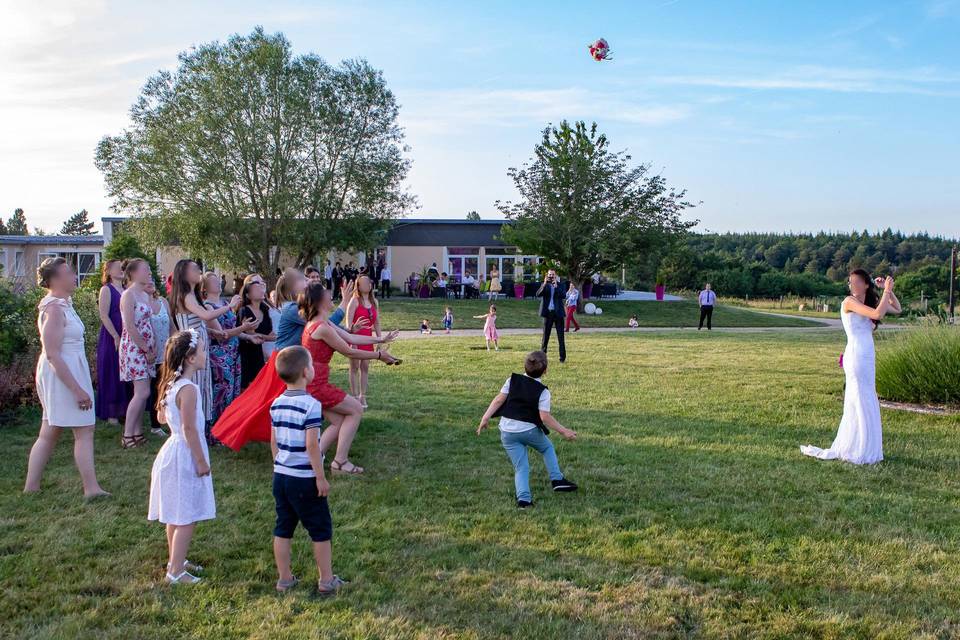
463	251
87	264
18	266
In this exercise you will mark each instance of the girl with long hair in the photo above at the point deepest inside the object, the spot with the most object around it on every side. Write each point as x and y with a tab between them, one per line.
224	350
190	313
112	393
181	488
138	347
253	307
860	437
322	339
363	305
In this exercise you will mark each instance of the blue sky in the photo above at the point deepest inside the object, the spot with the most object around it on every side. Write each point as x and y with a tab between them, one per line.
776	116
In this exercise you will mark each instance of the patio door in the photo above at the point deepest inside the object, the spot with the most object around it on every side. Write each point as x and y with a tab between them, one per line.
458	266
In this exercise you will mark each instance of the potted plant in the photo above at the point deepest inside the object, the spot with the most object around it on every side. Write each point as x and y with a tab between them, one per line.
660	288
426	282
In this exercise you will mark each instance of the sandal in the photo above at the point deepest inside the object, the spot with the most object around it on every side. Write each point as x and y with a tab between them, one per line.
284	585
129	442
188	566
340	467
184	578
331	587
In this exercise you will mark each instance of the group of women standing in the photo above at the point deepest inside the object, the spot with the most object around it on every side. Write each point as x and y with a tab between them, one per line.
238	382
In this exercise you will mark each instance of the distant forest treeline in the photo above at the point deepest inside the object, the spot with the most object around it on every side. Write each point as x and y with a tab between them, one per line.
771	265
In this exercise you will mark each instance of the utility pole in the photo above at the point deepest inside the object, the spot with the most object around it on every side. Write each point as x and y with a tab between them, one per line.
953	277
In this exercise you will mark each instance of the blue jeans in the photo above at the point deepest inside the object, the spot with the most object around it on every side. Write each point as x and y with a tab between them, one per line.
516	445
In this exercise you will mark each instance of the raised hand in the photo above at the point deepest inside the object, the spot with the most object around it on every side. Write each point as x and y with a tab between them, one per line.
888	284
360	323
235	301
390	337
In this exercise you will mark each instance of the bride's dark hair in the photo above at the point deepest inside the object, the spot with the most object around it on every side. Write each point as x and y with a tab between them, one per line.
871	298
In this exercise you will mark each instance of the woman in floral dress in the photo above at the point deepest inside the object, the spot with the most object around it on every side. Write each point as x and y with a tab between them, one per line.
224	352
138	349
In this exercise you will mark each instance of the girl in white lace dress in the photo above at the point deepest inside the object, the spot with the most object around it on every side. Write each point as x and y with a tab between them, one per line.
860	436
181	488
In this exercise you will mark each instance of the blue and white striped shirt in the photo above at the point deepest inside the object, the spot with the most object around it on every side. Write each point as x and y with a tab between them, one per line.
294	415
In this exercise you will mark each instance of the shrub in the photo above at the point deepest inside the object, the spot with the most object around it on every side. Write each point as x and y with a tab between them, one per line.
15	316
16	385
921	365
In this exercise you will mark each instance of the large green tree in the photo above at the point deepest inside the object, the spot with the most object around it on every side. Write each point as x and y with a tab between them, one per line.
247	150
17	224
78	224
586	208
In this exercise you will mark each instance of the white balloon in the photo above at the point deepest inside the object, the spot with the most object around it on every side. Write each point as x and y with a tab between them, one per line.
598	311
589	308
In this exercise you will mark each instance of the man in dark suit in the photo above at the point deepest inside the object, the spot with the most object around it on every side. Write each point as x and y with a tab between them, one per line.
552	311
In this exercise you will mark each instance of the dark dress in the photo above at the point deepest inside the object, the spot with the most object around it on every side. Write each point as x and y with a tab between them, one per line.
251	355
112	393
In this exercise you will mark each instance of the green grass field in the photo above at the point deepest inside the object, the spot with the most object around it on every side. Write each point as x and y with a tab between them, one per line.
406	313
698	517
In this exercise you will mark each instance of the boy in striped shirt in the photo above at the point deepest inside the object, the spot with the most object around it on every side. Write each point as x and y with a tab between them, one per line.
299	485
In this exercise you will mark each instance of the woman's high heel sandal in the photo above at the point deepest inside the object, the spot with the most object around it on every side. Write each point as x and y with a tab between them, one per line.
184	578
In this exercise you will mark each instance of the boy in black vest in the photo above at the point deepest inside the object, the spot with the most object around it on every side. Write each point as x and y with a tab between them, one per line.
523	406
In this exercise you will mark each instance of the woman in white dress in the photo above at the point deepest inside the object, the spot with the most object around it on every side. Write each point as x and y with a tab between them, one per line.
860	436
63	379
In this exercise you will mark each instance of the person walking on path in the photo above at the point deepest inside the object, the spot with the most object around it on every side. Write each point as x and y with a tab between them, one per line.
573	296
551	310
707	299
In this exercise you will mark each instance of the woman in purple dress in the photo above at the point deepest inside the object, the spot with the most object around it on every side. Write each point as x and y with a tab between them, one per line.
112	393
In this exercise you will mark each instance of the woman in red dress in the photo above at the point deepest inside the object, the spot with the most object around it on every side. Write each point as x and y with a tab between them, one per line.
342	412
248	416
363	305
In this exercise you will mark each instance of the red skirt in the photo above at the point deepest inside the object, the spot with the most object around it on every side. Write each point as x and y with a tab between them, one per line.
248	416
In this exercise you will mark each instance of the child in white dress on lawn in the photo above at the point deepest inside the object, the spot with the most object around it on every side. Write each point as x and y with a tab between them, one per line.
181	489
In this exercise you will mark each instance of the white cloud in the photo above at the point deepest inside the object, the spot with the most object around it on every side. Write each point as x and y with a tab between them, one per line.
455	110
923	80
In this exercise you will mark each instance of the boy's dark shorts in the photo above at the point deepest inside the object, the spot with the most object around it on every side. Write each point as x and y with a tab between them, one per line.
298	501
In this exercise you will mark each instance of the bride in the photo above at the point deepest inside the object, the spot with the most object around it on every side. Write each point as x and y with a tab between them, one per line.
860	439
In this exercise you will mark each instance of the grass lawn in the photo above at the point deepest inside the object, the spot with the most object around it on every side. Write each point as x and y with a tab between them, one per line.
698	517
406	313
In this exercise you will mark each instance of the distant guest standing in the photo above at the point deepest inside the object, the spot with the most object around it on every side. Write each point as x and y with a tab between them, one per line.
385	282
707	298
573	296
551	310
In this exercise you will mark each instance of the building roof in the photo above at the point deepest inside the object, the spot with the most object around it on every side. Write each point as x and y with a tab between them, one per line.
57	240
439	232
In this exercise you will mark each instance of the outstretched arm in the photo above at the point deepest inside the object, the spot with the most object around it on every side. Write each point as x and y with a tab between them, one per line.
330	334
551	423
495	404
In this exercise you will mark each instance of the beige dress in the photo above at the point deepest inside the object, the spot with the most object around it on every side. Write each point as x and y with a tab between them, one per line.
495	281
59	404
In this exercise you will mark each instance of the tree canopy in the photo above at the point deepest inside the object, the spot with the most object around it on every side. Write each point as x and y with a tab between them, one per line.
585	208
246	151
17	224
78	224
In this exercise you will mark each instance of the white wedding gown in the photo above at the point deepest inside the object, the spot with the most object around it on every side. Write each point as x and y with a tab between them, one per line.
860	438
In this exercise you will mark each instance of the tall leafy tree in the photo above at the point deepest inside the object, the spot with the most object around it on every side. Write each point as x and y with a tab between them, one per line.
17	224
78	224
586	208
246	151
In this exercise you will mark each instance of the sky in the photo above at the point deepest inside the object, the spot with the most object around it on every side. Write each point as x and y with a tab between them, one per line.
774	116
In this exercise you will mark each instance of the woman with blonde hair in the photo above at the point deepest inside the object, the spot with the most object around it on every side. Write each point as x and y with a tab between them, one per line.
363	305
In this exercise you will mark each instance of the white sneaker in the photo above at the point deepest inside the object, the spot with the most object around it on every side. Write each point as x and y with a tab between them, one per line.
183	578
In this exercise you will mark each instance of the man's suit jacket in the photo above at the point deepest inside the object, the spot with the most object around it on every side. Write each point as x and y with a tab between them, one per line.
544	295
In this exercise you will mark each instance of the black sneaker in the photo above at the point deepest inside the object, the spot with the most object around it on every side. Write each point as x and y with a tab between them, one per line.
523	504
563	485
